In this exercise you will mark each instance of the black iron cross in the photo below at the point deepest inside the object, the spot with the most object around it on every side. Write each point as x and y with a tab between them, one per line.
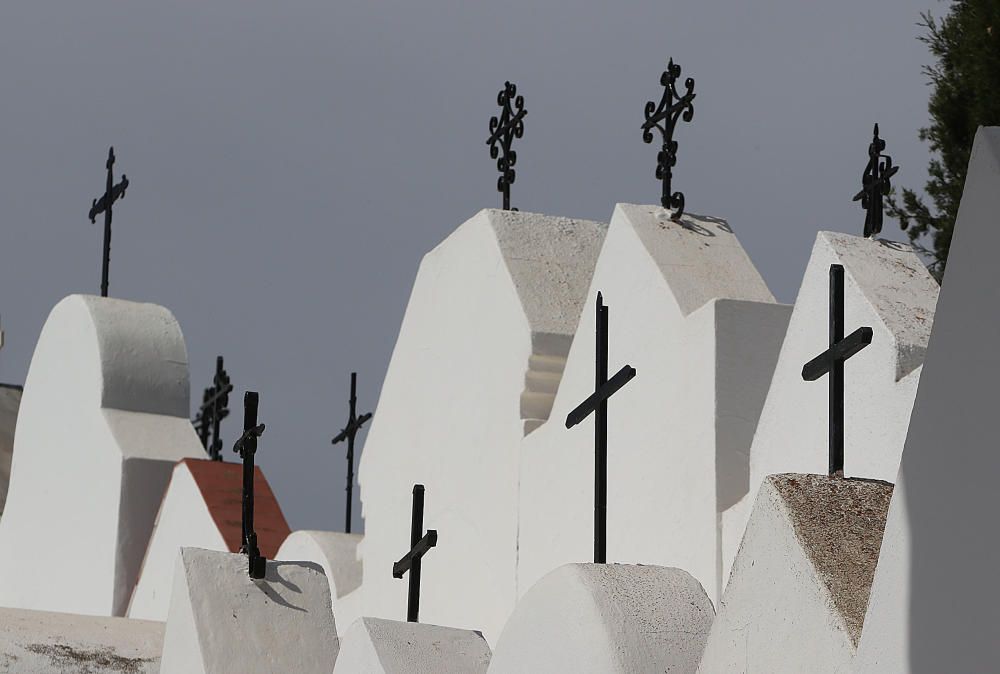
831	362
354	424
419	545
112	193
597	403
214	408
504	130
246	447
875	184
664	118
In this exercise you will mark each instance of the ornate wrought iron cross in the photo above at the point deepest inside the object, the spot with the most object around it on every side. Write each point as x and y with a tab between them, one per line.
246	447
420	543
354	424
597	403
832	361
663	117
112	193
214	408
875	184
503	130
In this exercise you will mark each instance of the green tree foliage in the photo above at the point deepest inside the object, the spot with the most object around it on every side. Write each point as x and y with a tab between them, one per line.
966	94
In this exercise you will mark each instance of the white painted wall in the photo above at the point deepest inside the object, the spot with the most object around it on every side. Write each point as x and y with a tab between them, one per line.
103	419
221	621
183	520
336	552
887	288
607	618
378	646
935	604
778	613
690	312
40	642
491	314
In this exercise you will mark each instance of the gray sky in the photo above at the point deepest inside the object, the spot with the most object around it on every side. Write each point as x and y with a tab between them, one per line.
290	162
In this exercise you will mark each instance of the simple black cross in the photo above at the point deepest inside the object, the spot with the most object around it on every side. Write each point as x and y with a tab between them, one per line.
831	362
246	447
354	424
419	545
663	117
503	130
597	403
214	408
875	184
112	193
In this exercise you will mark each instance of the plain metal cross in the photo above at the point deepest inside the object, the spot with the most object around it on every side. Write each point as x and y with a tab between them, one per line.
420	543
246	447
354	424
597	403
112	193
832	361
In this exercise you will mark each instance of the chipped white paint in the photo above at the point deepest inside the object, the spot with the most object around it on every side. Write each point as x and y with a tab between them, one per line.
103	418
41	642
338	555
935	605
692	315
183	520
887	288
607	618
221	621
377	646
475	366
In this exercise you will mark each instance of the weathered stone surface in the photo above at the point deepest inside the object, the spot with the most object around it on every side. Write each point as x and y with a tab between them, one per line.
796	598
40	642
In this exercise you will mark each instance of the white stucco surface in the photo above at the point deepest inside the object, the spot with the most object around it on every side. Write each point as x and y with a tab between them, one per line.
379	646
103	419
183	520
935	604
797	595
607	618
886	287
42	642
223	621
476	364
688	310
336	552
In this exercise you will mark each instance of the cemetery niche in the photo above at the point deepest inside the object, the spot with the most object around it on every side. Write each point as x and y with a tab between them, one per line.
739	513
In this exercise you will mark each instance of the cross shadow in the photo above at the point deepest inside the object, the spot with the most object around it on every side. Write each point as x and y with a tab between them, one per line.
273	575
895	245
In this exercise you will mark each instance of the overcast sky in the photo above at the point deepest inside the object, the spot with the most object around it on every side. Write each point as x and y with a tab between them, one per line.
290	162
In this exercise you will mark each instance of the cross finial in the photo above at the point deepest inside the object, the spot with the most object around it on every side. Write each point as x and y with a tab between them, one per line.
503	130
112	193
597	403
831	362
420	544
875	184
663	117
214	408
354	424
246	447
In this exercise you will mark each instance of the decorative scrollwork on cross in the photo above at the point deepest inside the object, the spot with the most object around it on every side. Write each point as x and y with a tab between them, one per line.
664	117
875	184
503	130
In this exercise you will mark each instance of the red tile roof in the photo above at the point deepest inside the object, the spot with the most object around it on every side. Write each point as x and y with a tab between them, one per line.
221	485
